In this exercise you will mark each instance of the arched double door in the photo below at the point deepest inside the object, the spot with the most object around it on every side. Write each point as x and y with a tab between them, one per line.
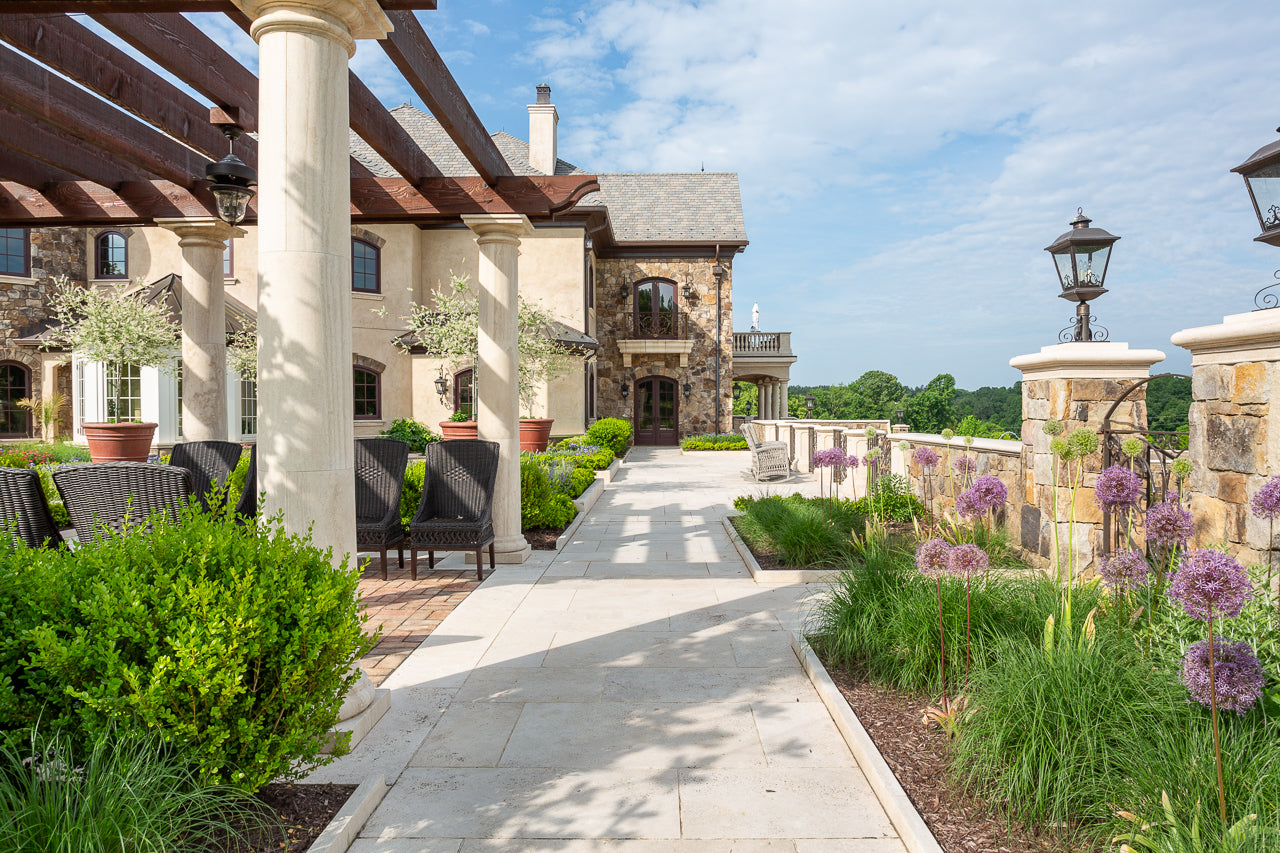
657	411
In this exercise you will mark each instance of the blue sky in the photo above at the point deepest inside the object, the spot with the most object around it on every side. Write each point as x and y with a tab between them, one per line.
904	165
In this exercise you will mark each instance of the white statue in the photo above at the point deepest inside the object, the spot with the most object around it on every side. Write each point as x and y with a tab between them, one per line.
755	317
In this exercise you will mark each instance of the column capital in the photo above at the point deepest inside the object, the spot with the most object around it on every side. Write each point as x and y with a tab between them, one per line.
344	21
205	230
1087	360
499	227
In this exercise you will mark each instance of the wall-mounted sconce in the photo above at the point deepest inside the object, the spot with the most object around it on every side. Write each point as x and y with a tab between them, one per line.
688	390
718	270
442	387
626	389
624	290
688	290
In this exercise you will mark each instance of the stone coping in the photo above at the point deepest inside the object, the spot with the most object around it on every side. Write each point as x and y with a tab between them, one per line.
911	827
1239	337
352	817
1087	360
1004	446
771	576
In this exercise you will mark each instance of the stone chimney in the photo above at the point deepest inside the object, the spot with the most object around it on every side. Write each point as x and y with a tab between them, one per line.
543	119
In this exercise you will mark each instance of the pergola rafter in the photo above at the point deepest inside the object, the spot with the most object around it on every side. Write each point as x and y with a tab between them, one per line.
225	6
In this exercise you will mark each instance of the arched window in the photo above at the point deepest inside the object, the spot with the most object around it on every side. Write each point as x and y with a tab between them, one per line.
15	383
15	252
366	267
112	255
656	315
368	394
464	393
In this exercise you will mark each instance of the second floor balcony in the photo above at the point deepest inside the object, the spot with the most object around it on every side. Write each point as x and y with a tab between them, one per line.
656	333
766	345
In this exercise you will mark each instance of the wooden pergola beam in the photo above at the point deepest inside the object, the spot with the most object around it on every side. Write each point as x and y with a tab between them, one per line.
226	6
181	47
51	99
61	152
75	51
376	126
424	70
372	200
28	171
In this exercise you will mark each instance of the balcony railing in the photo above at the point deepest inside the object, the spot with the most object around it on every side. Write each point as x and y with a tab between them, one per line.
669	325
761	344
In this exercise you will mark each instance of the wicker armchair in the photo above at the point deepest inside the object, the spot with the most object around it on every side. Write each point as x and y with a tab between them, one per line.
380	464
770	460
456	513
113	495
210	464
25	511
247	506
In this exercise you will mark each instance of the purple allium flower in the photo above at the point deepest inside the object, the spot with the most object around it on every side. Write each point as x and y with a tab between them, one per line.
852	461
1118	488
1169	524
967	560
1209	584
965	465
832	457
931	557
1237	675
968	505
1125	570
925	457
1266	501
989	491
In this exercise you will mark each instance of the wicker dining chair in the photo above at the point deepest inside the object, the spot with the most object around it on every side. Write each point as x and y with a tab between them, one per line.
24	509
380	464
247	506
456	512
210	464
114	495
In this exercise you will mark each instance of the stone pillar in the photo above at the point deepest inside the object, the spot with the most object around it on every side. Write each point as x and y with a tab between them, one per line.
305	431
766	409
204	326
1075	383
498	395
785	400
1235	390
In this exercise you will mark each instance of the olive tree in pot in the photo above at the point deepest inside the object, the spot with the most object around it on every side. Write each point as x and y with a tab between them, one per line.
449	330
116	327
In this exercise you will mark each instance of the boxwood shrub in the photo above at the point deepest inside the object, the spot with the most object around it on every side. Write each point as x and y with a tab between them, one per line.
613	433
715	441
234	643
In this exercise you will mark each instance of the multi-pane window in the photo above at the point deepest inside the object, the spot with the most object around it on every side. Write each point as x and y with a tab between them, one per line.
464	393
177	372
15	384
248	407
366	276
366	394
124	394
228	258
656	309
112	255
15	251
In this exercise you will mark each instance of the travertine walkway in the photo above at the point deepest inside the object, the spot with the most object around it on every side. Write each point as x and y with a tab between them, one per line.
636	692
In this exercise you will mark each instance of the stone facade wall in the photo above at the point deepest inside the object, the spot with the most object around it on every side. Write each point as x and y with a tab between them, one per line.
1233	451
55	252
613	319
939	487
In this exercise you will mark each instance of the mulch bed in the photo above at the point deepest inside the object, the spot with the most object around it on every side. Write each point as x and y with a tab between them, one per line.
918	756
303	810
542	539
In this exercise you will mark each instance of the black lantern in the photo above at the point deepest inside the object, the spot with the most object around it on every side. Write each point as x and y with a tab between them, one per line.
901	415
233	181
442	387
626	389
624	290
737	391
1261	174
1081	256
688	390
810	404
687	291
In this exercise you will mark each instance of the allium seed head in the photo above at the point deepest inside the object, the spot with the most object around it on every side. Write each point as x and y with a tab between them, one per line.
874	453
872	432
931	557
1118	488
1266	501
1052	427
1209	584
1181	467
1062	449
925	457
967	560
1237	675
904	446
1125	570
948	433
1132	447
1084	441
1170	524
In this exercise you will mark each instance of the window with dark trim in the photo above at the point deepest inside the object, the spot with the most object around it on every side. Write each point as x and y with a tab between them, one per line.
368	394
366	267
656	312
464	393
112	255
15	252
15	384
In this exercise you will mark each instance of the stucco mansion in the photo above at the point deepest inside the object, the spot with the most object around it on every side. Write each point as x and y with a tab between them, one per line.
640	274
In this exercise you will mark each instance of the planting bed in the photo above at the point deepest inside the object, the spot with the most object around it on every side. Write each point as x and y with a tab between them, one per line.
304	811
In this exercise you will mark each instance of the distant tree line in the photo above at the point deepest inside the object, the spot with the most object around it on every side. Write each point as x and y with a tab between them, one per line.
989	412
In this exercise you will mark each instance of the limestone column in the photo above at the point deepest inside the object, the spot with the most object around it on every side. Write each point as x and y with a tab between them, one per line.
497	390
766	400
305	430
1075	383
204	326
785	400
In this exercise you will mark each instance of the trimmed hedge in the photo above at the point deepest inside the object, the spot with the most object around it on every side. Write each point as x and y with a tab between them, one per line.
716	441
540	505
613	433
235	643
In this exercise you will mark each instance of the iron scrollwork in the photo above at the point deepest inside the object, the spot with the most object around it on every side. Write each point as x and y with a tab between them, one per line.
1266	300
1096	333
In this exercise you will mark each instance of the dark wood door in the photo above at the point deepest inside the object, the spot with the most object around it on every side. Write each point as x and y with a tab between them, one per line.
657	411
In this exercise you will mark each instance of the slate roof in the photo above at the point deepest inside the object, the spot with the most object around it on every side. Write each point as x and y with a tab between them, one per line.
695	207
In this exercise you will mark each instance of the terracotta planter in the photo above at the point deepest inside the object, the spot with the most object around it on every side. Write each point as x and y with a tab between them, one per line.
123	442
534	433
458	429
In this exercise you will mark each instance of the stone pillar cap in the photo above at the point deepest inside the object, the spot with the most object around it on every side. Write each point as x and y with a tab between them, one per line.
1256	330
1087	360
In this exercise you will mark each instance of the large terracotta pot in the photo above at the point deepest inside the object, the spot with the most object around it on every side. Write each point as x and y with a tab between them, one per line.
534	433
122	442
458	429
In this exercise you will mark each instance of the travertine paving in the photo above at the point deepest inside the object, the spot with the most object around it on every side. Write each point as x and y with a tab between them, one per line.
636	692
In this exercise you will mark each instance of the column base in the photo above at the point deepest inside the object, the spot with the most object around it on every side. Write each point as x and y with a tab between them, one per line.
507	550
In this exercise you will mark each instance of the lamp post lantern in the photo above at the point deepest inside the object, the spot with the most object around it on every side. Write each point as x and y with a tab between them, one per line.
1261	173
810	404
1081	256
232	180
